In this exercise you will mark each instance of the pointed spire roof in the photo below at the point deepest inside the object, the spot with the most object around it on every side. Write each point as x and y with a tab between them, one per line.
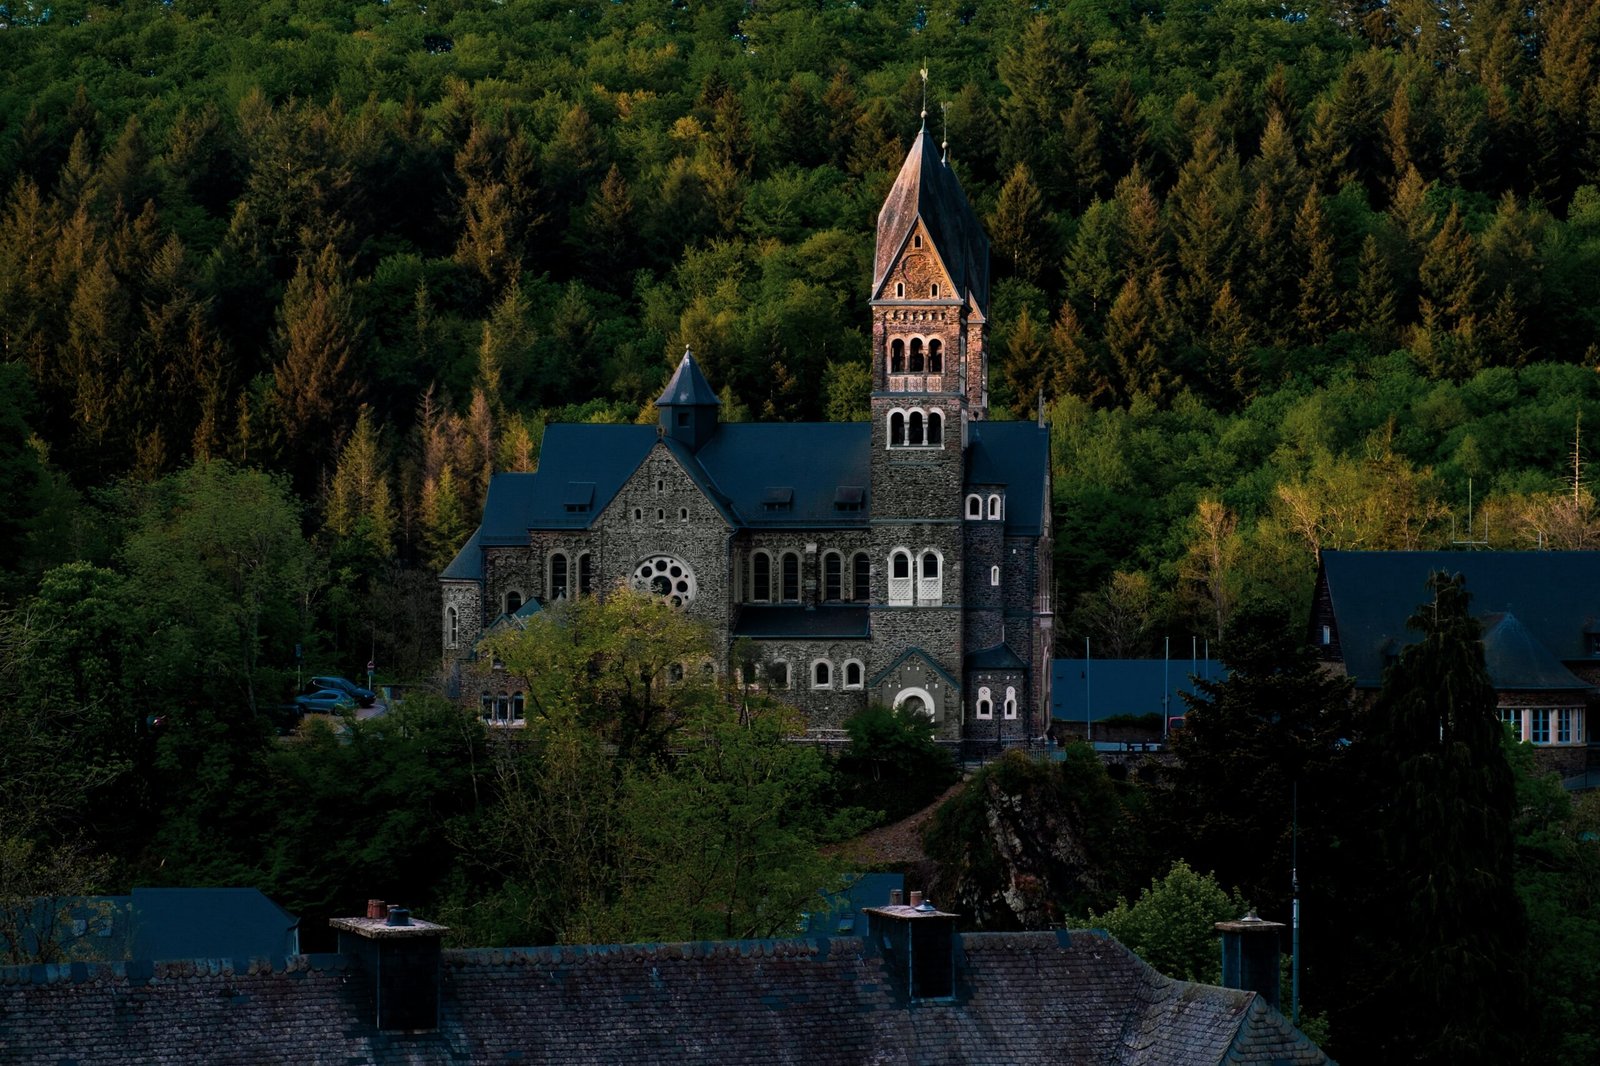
927	189
1517	660
688	387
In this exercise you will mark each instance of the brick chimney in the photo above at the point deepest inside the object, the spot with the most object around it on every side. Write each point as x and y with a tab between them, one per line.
398	957
1250	956
918	942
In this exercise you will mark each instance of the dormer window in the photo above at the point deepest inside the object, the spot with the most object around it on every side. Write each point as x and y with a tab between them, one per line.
579	497
778	498
849	498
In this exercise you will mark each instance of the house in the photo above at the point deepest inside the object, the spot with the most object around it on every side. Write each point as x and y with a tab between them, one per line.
1540	612
909	990
905	560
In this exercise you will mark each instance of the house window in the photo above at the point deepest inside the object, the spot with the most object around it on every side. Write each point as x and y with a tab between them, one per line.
935	356
916	428
638	514
916	241
761	577
585	574
661	486
935	428
832	577
1011	702
933	290
930	585
517	707
1539	725
1512	716
822	674
513	602
558	576
1564	720
791	577
985	704
452	625
778	674
994	506
683	514
994	575
974	506
862	567
852	674
897	356
900	579
661	514
899	289
897	429
916	355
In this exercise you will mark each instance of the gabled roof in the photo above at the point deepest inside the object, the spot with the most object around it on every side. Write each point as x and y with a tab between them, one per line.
570	454
468	563
1017	456
927	189
1516	660
813	459
999	657
688	387
1555	595
933	664
1096	689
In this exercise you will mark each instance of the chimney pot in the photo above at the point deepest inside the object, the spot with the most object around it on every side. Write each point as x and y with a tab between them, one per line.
399	916
376	909
894	897
916	899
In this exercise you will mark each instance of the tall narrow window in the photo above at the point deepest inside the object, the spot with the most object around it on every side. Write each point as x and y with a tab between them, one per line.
897	356
852	674
832	577
1512	716
1564	725
585	574
916	427
935	428
822	674
899	289
916	241
452	624
994	575
930	586
933	290
994	506
1539	725
513	602
900	582
1011	702
791	577
974	506
761	577
916	355
897	429
985	706
518	707
936	356
558	576
862	578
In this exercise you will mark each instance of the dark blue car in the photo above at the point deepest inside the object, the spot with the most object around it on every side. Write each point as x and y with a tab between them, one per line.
362	696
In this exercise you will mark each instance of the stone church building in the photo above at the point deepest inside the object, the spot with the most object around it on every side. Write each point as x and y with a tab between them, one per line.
906	560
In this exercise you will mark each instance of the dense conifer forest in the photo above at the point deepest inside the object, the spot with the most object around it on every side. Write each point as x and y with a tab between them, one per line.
283	284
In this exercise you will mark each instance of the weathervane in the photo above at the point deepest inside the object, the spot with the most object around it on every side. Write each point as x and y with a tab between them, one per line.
924	95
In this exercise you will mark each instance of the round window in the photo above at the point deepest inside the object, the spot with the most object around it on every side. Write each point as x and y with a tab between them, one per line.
664	576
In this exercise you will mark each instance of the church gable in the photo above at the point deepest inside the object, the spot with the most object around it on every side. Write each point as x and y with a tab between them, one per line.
916	681
918	270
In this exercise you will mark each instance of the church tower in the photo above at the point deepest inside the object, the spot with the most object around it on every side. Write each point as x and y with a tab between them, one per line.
930	301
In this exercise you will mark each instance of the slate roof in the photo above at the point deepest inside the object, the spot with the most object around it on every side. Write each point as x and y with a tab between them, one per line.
1065	997
1555	595
1125	686
688	387
570	453
468	563
791	620
999	657
1516	660
927	188
814	459
1015	455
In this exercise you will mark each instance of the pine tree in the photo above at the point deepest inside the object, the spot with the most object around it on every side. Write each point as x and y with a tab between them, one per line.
489	246
1318	310
360	504
1027	369
842	110
444	520
1230	341
1202	218
1145	238
1374	312
315	381
1019	228
1083	173
1080	365
1133	340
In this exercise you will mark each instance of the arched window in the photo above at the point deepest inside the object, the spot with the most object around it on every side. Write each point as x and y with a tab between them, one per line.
513	602
994	506
900	581
761	577
822	674
985	703
861	566
930	579
994	575
791	577
778	674
585	574
638	514
936	356
916	355
1011	702
935	428
916	241
832	576
933	290
899	289
683	514
558	576
452	625
974	506
852	674
897	429
897	356
916	428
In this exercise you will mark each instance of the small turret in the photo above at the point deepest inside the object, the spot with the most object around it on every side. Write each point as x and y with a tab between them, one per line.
688	405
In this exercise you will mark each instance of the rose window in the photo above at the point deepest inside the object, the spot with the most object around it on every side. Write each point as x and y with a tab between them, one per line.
664	576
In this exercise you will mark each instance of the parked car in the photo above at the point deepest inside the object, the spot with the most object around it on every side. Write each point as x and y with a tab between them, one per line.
363	696
325	701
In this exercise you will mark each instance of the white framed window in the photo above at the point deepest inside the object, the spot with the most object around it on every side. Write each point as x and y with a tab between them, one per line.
985	705
760	577
935	429
914	436
930	579
996	507
559	585
1011	701
452	625
901	585
853	674
1539	725
974	506
1566	718
1512	716
1327	635
822	674
897	429
994	575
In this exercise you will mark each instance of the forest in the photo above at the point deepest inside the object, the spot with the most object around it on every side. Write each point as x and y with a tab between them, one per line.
282	285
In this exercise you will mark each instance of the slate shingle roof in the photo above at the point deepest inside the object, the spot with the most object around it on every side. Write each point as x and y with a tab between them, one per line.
1020	997
1125	686
1517	661
688	387
1017	456
927	188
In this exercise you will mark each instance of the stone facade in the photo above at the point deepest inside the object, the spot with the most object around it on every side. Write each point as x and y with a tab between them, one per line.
860	563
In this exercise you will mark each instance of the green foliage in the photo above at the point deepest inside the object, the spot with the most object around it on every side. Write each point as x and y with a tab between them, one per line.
892	763
1171	924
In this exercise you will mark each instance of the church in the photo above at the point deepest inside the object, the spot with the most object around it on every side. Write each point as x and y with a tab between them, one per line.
905	561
